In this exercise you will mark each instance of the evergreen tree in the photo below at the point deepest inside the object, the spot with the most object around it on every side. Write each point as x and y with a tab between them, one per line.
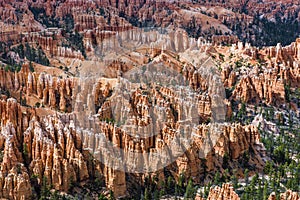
246	175
102	197
265	191
45	190
111	195
268	167
31	68
155	195
260	190
147	194
234	181
181	184
190	191
161	193
217	178
170	185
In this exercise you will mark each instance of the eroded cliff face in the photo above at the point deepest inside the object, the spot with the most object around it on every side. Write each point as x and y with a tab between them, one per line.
234	141
38	88
57	92
33	21
15	179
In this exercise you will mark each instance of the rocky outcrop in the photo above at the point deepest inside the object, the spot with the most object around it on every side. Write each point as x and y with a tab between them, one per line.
164	103
227	192
9	35
14	177
228	76
52	154
285	61
266	83
111	39
218	193
266	86
36	149
224	40
224	192
288	195
83	22
233	140
49	41
43	88
7	13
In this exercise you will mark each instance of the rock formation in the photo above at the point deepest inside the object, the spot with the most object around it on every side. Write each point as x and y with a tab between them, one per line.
227	192
49	42
44	149
219	193
288	195
267	84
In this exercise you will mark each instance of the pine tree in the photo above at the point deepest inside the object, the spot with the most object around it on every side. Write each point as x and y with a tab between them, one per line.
217	178
268	167
170	185
190	190
161	193
147	194
234	181
180	184
31	68
176	190
260	190
45	190
246	174
111	195
156	195
102	197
